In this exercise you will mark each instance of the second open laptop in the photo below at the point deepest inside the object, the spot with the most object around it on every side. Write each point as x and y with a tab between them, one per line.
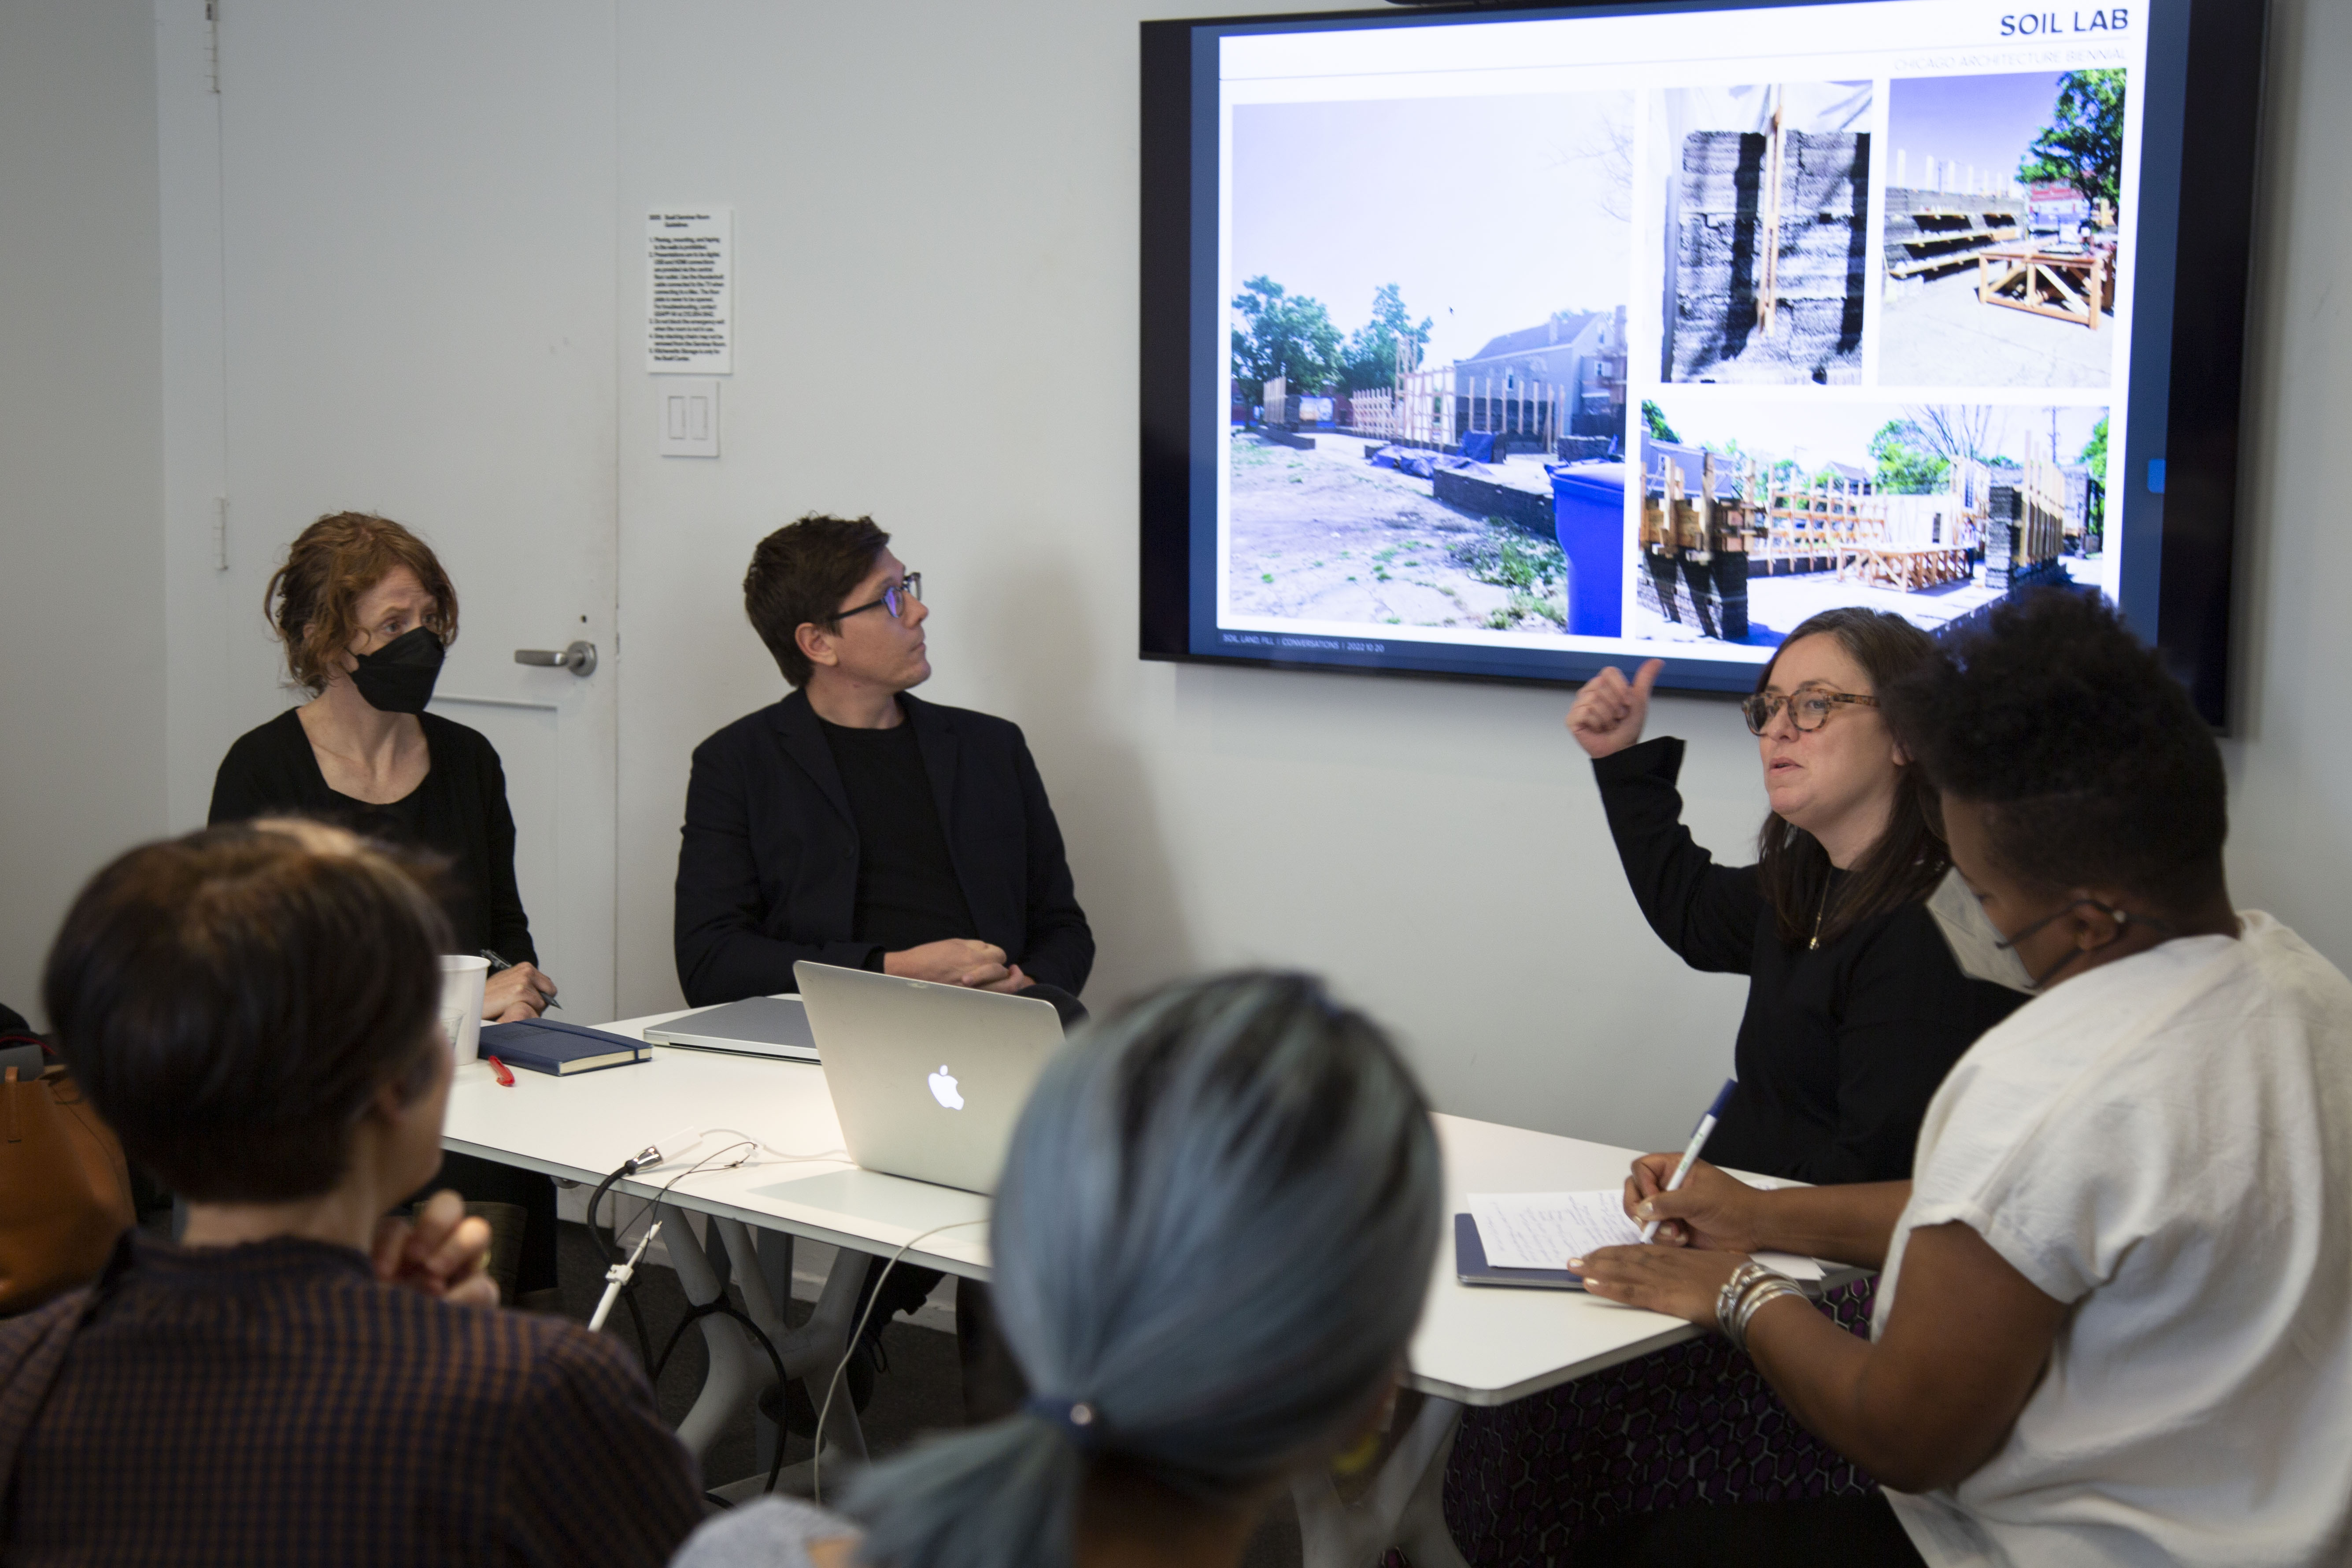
927	1080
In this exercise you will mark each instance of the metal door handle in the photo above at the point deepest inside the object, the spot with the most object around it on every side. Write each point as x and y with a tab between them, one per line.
580	658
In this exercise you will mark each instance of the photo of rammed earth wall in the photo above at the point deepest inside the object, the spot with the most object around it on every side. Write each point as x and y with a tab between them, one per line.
1718	268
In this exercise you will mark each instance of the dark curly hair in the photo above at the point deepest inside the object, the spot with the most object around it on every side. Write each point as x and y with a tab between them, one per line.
2092	766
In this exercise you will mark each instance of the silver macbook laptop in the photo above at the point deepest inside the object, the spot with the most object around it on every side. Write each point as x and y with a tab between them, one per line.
755	1027
927	1079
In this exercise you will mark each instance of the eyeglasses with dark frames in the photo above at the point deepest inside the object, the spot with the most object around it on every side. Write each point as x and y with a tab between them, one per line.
1809	706
894	598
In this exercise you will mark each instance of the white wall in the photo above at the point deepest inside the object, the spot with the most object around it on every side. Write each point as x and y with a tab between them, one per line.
935	202
81	573
2291	763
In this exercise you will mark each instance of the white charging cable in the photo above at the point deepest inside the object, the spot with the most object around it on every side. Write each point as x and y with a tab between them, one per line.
816	1459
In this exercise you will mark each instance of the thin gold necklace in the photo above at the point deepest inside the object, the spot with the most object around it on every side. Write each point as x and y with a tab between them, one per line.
1818	913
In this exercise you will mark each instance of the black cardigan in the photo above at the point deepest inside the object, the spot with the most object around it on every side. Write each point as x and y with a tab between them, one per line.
1842	1045
459	811
767	866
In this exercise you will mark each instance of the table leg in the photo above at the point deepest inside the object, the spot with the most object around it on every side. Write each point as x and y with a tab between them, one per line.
738	1368
1404	1508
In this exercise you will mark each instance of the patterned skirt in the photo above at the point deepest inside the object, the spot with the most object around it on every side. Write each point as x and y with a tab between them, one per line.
1696	1424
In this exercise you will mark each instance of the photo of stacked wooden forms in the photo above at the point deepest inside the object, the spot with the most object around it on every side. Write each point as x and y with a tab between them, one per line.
1716	521
1932	234
1769	257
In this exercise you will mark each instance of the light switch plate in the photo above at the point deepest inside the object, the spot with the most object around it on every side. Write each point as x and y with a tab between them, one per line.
685	416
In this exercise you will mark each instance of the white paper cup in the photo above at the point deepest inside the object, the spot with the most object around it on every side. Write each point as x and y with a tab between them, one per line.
464	979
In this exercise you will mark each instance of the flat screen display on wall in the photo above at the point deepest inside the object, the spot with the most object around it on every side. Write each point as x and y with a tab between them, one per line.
1511	344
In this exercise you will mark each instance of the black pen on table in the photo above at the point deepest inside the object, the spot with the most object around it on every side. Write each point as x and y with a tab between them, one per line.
498	963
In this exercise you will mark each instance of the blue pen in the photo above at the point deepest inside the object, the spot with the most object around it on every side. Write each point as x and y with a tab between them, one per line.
1698	1140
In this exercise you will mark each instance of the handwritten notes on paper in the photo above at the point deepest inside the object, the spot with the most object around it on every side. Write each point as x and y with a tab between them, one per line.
1544	1230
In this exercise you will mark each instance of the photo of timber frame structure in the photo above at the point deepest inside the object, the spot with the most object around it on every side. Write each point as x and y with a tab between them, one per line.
1740	545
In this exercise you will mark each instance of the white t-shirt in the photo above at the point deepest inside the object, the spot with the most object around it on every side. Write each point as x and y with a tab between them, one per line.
2165	1143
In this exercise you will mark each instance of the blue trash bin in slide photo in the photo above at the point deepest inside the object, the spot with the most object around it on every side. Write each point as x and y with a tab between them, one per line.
1588	508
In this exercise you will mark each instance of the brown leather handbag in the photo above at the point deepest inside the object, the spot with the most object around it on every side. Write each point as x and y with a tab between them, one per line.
65	1188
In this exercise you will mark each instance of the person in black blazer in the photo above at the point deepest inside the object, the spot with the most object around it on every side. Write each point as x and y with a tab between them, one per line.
853	824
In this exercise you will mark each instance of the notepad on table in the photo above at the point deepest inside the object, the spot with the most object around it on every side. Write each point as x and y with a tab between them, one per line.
541	1045
1544	1230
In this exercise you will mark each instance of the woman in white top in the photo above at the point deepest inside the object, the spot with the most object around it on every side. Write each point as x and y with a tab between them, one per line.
1212	1241
2115	1321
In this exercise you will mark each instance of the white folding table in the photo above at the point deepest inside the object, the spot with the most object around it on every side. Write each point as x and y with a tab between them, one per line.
1476	1345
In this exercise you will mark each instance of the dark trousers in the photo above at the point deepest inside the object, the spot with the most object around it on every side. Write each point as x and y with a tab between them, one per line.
992	1385
1849	1531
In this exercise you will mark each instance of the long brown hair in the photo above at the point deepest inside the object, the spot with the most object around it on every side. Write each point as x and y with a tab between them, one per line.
1909	858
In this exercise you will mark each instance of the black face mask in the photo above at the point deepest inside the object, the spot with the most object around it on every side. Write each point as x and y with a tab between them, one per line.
398	676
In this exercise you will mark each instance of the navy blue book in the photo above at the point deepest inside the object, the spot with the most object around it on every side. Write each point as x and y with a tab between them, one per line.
545	1046
1470	1265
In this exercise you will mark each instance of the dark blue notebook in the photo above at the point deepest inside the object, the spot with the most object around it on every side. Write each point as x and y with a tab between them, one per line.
544	1045
1470	1265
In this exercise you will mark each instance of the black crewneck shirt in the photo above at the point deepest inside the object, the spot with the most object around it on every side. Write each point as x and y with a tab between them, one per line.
908	891
460	811
1843	1045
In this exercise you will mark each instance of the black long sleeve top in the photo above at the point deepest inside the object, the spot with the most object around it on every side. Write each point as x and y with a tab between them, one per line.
1842	1045
768	862
460	811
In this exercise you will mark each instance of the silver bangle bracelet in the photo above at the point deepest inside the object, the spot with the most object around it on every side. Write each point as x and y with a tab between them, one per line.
1768	1288
1727	1302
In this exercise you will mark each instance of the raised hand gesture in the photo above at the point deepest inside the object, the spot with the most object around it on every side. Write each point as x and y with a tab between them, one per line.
1608	714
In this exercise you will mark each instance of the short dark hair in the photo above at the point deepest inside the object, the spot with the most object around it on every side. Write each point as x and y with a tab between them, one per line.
1908	859
800	574
2095	769
232	1000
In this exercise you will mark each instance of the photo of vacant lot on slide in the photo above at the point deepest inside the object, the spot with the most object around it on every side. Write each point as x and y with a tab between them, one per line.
1416	332
1757	514
2003	212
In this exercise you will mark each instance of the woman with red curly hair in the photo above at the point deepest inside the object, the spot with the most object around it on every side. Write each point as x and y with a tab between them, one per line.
365	613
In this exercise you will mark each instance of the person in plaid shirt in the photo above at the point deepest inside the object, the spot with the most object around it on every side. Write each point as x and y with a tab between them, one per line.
301	1379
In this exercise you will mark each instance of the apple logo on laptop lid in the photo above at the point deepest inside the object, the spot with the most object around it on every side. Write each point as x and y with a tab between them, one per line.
943	1088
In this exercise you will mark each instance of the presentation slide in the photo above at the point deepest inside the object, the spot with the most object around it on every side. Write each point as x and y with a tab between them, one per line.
1560	341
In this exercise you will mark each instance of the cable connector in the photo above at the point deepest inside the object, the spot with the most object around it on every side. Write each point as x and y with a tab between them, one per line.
618	1274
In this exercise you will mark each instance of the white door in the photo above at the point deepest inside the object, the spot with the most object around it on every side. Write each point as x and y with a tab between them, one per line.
417	223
